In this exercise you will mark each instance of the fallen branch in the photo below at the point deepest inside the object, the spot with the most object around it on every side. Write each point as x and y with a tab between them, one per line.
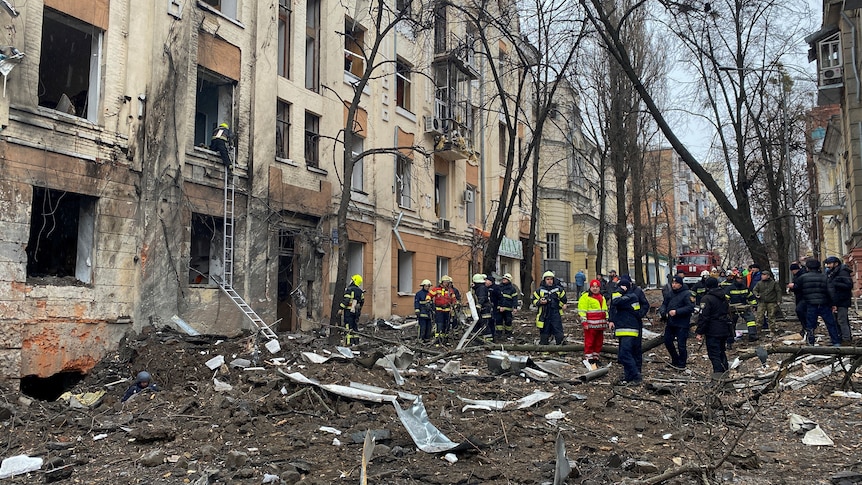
674	472
381	339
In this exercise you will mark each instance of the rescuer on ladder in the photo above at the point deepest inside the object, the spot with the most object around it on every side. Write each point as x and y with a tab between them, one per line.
220	141
351	307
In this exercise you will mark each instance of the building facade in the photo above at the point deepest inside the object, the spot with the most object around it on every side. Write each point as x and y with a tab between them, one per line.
115	210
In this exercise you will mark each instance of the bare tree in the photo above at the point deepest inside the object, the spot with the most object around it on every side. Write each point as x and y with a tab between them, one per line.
716	35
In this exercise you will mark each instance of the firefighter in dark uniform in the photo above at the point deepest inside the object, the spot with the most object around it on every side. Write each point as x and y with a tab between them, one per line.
220	141
741	300
423	306
351	307
550	299
508	303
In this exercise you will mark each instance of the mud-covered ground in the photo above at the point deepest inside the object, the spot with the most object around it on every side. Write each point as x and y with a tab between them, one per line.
268	427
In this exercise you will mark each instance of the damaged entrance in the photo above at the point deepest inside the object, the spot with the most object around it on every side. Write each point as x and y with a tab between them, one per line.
286	282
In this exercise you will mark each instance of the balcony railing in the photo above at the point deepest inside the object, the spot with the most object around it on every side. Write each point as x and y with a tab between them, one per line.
832	201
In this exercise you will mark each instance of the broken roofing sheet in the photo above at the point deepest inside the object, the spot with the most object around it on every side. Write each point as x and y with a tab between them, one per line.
492	405
425	435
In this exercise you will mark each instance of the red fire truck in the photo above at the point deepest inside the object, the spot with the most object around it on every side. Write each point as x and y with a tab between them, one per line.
692	263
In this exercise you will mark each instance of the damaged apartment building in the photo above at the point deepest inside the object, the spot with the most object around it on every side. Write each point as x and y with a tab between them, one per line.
116	215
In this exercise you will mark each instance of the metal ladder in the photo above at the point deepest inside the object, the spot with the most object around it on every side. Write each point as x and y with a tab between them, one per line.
226	283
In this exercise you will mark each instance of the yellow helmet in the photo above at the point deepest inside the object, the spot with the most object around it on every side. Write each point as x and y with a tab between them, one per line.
446	278
548	274
425	282
223	124
356	279
478	278
507	276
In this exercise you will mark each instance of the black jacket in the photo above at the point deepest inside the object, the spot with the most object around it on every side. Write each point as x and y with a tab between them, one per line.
797	287
714	320
508	296
698	290
840	284
814	288
679	300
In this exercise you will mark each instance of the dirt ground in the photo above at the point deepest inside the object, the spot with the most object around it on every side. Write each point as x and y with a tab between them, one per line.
267	428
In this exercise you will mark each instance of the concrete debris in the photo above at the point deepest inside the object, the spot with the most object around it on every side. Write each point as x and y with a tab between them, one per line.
221	386
330	429
18	464
556	368
453	367
534	374
850	394
215	362
377	434
152	458
268	478
555	415
273	346
451	457
793	382
184	327
240	363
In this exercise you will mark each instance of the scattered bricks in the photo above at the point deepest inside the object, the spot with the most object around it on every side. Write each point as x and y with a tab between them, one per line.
153	458
236	459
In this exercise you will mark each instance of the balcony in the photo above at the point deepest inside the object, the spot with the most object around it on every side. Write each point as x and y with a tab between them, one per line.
832	203
452	145
449	49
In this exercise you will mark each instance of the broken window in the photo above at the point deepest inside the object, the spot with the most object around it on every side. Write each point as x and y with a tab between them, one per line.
312	45
441	31
403	168
70	65
470	204
405	271
440	196
285	32
355	251
62	232
225	7
206	255
402	84
312	140
357	181
213	104
354	42
282	130
442	267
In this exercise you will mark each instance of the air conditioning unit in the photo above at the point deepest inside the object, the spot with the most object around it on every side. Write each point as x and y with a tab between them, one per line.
442	224
469	196
433	125
831	74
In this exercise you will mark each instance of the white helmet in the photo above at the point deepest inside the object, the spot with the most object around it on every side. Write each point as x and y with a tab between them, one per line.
425	283
704	274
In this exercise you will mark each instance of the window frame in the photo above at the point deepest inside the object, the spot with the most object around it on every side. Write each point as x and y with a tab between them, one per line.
552	240
225	88
285	34
312	140
92	104
282	129
470	206
312	45
405	271
403	84
357	181
215	249
829	52
403	170
354	39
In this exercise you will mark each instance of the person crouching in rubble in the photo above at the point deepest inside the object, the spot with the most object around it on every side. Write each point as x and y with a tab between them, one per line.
351	307
143	382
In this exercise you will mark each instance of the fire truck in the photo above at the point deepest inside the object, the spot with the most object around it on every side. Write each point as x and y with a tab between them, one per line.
692	263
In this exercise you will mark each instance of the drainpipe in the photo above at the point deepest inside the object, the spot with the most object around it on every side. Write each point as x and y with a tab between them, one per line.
853	51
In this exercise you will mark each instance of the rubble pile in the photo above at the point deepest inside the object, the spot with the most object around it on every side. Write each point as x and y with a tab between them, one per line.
230	412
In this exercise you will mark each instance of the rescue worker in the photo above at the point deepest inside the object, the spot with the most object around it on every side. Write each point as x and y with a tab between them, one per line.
443	298
143	382
423	306
351	307
456	315
220	141
840	284
508	304
484	306
593	310
741	300
768	294
627	309
753	276
550	300
814	288
714	325
677	308
797	271
699	289
495	297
